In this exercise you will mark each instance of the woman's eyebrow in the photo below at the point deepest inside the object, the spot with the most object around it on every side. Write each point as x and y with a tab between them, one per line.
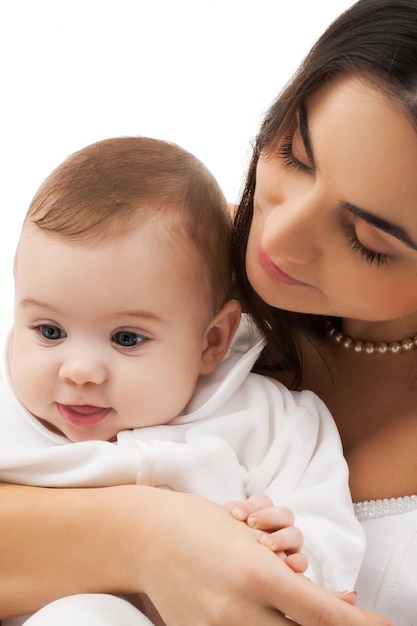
304	132
388	227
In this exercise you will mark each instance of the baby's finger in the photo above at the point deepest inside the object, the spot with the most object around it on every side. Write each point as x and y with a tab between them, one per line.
255	503
271	518
297	561
285	540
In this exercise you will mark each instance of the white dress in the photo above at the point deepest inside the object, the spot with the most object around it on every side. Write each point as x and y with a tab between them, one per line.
387	582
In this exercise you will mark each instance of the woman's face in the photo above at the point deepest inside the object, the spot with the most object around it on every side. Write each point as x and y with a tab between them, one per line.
334	230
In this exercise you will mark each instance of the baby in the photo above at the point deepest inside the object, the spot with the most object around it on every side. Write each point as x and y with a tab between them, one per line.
118	367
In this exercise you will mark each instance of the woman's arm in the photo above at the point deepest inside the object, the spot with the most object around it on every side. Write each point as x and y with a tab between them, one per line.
56	542
196	563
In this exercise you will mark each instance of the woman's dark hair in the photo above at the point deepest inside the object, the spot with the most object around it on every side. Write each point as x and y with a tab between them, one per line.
374	39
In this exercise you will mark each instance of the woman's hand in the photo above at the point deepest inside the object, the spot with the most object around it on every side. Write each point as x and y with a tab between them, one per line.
201	566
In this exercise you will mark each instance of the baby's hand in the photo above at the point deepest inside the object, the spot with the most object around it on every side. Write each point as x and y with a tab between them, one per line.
277	522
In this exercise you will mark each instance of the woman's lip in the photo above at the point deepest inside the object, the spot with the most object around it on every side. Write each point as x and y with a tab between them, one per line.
83	415
274	271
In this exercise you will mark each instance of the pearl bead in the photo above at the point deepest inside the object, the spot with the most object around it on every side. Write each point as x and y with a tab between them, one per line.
407	345
382	347
347	342
357	346
370	348
395	347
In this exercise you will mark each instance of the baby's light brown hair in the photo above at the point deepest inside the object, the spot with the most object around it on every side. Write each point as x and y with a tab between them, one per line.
107	189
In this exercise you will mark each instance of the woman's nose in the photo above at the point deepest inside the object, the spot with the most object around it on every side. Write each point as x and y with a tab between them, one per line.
293	230
81	368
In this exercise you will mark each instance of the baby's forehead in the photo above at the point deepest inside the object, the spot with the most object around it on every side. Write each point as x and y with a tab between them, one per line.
112	277
155	245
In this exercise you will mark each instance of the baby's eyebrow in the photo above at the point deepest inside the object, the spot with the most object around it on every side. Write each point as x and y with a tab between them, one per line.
142	314
134	313
387	227
44	308
33	302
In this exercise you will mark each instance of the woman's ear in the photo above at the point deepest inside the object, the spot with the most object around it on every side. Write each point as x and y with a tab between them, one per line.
219	335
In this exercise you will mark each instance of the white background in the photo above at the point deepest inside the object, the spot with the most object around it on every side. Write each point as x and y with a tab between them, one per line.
196	72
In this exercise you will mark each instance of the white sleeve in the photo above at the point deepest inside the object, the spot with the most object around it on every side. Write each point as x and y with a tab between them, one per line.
203	464
83	464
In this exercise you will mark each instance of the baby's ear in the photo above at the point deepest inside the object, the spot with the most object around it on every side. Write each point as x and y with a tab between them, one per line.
219	335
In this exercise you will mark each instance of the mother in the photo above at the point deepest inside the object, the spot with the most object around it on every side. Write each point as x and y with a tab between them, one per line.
327	232
333	235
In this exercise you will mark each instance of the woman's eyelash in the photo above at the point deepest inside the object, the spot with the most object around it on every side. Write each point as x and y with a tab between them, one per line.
373	258
287	155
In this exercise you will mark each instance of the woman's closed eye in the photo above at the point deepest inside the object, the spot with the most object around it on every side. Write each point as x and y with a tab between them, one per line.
286	153
370	256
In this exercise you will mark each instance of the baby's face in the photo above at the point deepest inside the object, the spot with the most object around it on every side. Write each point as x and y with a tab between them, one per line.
106	337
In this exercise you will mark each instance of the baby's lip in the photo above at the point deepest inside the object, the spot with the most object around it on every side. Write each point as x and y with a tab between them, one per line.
84	409
82	414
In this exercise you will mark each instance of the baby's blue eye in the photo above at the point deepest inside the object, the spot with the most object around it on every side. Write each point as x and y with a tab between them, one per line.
52	333
126	339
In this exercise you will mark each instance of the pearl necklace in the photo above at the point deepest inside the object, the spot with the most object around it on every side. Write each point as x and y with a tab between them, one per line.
369	347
